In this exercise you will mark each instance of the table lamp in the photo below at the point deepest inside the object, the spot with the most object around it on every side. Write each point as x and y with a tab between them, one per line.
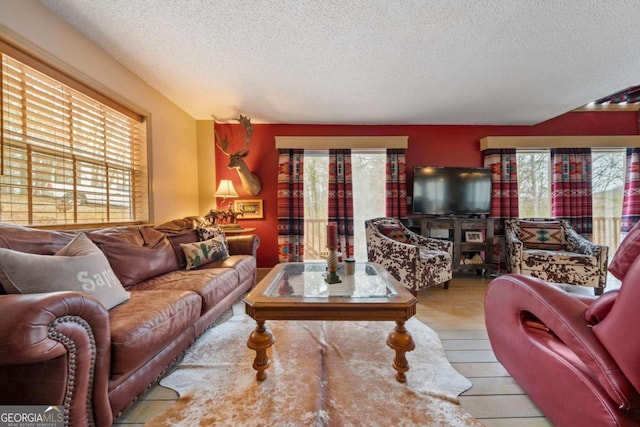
225	190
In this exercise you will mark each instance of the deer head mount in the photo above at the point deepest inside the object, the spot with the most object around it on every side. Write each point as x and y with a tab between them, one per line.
250	182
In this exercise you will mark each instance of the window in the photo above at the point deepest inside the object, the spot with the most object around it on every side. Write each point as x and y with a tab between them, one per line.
65	157
608	191
368	177
534	183
608	174
316	210
368	194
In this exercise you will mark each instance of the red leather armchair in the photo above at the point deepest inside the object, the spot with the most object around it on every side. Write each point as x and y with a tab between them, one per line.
577	357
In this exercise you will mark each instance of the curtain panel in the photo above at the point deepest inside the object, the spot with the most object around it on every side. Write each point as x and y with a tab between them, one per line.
504	185
396	184
631	199
571	188
504	193
290	200
341	199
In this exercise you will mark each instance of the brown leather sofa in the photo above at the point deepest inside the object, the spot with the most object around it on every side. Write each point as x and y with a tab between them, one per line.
66	348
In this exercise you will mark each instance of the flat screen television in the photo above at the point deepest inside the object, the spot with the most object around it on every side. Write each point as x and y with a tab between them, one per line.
451	190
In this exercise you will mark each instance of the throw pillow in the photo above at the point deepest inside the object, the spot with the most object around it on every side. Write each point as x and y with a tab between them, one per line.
547	235
213	231
201	253
80	266
393	231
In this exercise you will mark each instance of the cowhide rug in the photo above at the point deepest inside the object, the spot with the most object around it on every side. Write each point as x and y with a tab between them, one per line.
321	374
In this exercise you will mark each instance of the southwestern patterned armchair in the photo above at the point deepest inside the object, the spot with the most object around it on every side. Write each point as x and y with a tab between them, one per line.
414	260
551	250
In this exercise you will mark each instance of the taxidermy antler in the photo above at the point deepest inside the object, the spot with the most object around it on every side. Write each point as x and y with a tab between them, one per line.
250	182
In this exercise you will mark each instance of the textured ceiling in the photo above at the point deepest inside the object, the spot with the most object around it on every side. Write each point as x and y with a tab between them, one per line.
370	61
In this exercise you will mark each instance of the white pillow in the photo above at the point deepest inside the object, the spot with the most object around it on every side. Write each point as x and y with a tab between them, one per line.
80	266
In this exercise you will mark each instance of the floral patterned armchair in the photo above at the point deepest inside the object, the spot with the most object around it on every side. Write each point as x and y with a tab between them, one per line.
414	260
551	250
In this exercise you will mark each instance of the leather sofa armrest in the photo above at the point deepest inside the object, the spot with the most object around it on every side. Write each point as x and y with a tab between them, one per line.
246	244
512	299
38	328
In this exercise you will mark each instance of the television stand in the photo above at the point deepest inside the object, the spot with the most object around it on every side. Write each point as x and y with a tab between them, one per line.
472	240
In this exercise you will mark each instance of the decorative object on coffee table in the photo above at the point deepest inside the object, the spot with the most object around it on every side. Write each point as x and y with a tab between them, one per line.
332	256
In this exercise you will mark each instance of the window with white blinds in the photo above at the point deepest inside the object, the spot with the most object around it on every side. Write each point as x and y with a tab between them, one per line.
65	157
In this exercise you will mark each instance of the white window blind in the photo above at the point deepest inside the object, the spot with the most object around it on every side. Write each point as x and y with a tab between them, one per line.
65	157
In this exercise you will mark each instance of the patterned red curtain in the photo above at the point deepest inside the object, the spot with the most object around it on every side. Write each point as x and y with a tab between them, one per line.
631	200
291	206
504	193
396	184
341	199
504	185
571	188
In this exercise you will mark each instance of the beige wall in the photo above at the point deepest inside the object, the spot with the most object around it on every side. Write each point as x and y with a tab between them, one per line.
206	165
173	149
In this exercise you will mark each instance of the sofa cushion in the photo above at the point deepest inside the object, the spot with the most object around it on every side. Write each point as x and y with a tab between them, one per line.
547	235
147	323
244	265
212	284
80	266
540	259
33	240
135	253
626	254
201	253
393	231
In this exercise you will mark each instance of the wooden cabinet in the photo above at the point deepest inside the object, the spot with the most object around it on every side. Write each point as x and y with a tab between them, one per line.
472	240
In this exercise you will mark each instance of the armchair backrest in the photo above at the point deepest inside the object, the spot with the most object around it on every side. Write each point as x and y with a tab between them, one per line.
391	228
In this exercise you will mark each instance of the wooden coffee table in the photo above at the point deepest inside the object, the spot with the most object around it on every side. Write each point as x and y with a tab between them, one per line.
298	291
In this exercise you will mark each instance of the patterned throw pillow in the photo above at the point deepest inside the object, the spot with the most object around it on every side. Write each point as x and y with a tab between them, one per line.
547	235
201	253
213	231
394	232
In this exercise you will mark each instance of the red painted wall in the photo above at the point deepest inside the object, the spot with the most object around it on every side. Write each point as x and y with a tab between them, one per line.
429	145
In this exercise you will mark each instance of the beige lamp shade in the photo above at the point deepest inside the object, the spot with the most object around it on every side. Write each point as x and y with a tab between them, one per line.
226	190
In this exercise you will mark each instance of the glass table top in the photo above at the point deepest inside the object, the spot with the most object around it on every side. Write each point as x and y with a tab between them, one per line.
308	280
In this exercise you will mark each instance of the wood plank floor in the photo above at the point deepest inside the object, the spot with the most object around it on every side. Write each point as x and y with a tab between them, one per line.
457	315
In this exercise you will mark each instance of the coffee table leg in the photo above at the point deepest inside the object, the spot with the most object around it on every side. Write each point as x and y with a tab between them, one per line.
401	341
260	340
